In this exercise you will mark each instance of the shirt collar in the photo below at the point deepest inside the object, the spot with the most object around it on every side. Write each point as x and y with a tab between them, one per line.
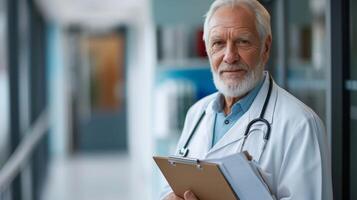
241	105
218	103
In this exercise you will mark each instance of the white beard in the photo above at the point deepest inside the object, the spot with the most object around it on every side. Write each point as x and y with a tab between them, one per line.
241	86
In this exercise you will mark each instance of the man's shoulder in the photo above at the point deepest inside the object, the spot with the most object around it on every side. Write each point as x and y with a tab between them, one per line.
295	108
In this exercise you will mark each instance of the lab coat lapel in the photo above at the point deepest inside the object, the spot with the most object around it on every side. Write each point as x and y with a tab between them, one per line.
257	105
237	131
234	134
202	140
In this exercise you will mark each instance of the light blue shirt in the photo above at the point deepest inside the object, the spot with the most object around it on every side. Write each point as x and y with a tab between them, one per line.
223	123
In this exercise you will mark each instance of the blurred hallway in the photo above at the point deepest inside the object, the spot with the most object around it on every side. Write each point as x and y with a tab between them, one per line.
89	177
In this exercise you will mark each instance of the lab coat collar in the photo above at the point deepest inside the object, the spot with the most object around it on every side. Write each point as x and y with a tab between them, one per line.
237	131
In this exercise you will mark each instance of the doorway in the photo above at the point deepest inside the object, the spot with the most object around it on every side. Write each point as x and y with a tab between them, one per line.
99	96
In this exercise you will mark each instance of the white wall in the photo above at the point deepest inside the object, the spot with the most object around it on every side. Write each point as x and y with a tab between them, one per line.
140	90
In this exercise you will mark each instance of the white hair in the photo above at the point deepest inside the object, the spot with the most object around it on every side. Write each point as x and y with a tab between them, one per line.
262	17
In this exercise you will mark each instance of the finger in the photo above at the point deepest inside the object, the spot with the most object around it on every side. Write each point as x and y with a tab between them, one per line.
188	195
172	196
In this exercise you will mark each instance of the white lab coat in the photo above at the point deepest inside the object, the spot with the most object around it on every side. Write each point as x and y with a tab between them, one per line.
296	160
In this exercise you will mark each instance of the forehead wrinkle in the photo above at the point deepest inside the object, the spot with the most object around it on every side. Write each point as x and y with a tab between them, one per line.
219	31
226	24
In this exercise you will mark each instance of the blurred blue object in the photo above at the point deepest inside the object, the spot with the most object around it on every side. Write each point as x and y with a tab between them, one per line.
200	76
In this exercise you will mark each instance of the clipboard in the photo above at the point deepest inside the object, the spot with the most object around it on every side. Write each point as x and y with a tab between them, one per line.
204	179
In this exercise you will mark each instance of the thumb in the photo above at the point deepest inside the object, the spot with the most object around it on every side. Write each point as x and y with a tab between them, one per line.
188	195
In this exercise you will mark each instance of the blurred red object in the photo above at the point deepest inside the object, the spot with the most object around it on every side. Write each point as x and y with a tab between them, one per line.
200	44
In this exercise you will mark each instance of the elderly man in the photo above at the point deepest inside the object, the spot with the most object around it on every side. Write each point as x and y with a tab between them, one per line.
288	142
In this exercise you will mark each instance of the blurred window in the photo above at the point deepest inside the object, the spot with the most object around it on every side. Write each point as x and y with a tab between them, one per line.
2	36
3	84
307	56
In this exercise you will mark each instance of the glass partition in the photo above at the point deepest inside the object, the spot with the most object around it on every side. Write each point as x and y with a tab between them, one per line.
3	84
307	56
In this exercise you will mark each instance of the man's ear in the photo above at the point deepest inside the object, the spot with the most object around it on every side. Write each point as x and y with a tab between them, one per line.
266	48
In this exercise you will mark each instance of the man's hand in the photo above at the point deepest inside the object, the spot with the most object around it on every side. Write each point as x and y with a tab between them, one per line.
188	195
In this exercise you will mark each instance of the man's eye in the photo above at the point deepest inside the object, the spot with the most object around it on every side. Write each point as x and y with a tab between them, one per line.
217	43
243	42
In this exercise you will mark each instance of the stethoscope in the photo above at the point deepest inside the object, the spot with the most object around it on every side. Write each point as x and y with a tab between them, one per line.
184	150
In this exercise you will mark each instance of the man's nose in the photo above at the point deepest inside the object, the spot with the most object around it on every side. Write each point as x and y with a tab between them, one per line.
231	55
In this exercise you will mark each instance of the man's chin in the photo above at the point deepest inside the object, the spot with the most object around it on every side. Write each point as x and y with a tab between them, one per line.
236	89
230	92
232	83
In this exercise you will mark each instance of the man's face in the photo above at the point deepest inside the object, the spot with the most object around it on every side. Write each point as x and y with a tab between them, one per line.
235	50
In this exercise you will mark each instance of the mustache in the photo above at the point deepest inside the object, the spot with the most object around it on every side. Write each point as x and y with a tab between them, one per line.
232	67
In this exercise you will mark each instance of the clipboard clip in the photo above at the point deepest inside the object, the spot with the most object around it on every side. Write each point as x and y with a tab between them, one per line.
178	159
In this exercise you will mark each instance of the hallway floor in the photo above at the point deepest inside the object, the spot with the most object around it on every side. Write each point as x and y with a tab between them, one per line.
89	177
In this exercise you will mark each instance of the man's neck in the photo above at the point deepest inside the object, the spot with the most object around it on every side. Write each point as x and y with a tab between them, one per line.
229	102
